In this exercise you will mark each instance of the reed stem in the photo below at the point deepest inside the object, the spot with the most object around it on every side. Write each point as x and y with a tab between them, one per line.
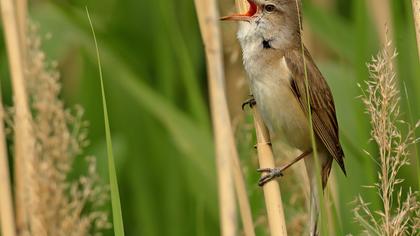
223	137
416	16
7	219
273	202
381	14
23	139
244	205
22	15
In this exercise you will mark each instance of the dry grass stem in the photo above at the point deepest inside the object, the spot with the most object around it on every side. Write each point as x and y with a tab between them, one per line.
207	15
400	214
7	220
273	202
416	16
228	164
22	15
242	195
23	140
381	14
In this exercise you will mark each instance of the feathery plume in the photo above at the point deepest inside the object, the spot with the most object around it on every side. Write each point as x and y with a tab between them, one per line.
400	213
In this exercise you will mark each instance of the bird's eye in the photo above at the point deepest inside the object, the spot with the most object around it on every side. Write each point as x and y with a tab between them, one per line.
269	8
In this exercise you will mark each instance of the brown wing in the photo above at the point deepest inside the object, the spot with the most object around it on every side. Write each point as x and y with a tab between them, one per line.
321	100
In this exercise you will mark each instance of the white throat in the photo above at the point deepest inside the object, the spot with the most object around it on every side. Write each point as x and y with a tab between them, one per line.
253	33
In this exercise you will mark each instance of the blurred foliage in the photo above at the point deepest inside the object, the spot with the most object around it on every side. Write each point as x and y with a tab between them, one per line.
155	81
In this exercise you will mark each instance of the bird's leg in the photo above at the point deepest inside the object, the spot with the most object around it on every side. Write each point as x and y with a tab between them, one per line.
273	173
249	102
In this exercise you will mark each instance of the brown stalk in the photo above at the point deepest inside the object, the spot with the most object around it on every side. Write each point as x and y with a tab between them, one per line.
7	219
23	141
22	14
381	13
273	202
244	205
416	16
228	164
206	12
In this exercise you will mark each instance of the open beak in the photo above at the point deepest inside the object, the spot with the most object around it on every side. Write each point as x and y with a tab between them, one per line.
245	16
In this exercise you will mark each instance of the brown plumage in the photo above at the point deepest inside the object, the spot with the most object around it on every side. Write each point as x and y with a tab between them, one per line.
270	38
321	102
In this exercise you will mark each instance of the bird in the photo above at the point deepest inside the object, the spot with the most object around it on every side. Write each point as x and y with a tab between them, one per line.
289	91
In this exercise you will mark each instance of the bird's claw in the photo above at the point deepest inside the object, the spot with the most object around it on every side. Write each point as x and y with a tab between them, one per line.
249	102
272	173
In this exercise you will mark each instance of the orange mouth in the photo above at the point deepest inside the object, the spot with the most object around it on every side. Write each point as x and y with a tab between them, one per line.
245	16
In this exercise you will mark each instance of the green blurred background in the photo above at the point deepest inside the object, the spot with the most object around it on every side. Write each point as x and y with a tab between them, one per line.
155	80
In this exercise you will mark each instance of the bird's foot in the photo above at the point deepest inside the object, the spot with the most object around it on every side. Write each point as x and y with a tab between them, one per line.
249	102
272	173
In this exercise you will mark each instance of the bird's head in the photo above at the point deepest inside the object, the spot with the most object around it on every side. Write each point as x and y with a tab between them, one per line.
274	20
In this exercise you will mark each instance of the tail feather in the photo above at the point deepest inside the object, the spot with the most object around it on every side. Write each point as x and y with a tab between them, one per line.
326	163
325	172
314	214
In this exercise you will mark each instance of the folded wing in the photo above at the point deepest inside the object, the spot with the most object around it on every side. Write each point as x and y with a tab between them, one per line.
322	104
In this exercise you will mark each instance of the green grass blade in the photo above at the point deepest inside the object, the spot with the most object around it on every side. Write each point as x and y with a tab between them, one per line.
115	196
365	48
416	150
322	220
367	225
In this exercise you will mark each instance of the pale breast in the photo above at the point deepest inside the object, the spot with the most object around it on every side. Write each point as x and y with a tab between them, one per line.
270	84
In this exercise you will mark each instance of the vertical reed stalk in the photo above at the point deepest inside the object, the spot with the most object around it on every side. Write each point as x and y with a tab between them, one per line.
240	186
7	220
416	16
23	140
26	189
381	13
228	164
207	15
22	15
273	202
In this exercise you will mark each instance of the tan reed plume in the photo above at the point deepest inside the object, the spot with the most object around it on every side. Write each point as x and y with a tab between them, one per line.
45	145
58	205
400	215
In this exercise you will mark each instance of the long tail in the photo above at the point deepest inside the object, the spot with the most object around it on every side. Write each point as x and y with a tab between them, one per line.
325	162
